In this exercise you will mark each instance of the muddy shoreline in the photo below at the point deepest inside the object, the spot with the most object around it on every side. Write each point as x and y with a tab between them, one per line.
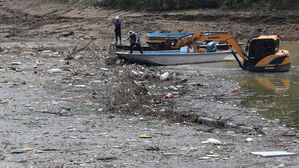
90	110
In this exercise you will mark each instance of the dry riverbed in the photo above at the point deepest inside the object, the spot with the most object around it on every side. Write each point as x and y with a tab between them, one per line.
91	111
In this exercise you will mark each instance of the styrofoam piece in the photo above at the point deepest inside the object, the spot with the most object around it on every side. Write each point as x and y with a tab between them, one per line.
274	153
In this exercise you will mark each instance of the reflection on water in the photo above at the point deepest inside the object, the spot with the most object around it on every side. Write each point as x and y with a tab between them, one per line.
275	96
270	83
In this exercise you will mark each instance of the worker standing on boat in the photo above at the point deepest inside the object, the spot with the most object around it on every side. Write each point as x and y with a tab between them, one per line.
117	30
134	41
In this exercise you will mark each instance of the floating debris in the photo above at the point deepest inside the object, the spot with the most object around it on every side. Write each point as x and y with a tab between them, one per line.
54	70
164	76
274	153
249	140
145	136
16	63
212	141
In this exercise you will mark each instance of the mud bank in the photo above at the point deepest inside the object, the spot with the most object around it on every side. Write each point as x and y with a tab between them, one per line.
22	19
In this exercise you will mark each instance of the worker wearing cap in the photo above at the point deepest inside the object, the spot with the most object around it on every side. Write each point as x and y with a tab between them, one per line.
117	30
134	41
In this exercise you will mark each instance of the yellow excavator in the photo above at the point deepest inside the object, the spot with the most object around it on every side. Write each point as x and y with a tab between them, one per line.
262	52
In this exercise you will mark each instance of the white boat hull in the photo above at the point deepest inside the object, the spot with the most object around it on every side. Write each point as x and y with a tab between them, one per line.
174	58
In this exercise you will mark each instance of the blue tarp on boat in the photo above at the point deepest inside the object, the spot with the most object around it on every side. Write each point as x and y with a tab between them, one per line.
173	35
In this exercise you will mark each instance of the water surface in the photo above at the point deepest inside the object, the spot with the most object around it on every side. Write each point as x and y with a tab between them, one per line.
274	95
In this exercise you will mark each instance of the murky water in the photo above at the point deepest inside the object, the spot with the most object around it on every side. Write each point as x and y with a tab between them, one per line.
275	95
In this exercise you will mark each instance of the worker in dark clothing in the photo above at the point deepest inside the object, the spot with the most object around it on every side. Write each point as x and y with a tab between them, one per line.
134	41
117	30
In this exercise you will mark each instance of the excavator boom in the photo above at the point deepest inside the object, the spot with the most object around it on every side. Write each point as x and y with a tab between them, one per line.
212	36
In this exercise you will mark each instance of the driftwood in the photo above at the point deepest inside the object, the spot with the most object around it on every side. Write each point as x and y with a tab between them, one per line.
210	121
75	50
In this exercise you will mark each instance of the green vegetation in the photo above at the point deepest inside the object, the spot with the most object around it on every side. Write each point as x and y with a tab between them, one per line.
13	147
188	4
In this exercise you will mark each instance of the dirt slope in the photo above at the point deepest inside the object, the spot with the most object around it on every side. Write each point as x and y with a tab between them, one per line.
37	20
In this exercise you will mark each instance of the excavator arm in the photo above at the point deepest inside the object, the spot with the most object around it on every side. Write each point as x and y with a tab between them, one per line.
214	36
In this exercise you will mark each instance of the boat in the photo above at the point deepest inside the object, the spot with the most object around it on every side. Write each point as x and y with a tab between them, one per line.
126	46
161	41
173	57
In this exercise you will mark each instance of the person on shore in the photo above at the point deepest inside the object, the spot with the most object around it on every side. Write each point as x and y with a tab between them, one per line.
134	41
117	30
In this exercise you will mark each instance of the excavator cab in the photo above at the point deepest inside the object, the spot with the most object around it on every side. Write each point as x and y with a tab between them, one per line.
264	55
